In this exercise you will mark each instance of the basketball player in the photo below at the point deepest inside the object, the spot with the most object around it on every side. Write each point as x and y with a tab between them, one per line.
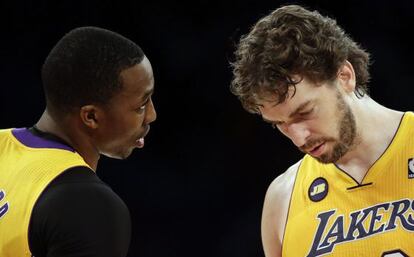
98	86
352	194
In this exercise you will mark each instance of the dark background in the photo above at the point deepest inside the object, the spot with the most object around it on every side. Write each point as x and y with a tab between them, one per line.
197	187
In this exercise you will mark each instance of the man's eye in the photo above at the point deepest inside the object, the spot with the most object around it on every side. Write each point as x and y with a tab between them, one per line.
142	108
306	112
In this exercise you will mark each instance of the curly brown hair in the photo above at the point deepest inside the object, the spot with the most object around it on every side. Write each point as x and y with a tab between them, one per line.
293	41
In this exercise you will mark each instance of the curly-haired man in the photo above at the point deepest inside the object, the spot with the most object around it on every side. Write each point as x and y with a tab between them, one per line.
352	194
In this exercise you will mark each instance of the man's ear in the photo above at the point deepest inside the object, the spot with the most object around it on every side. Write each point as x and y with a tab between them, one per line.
90	116
346	77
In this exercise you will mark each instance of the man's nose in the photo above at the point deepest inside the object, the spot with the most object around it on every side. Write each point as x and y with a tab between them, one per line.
151	114
297	132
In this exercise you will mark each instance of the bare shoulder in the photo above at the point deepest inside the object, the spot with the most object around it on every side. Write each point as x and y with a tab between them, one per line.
282	186
275	211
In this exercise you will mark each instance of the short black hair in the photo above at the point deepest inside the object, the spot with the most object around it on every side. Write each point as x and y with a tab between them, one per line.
84	66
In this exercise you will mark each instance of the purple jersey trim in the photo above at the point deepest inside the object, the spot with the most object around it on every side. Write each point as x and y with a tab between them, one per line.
28	139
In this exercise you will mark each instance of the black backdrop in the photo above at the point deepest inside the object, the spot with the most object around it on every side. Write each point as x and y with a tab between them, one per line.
197	187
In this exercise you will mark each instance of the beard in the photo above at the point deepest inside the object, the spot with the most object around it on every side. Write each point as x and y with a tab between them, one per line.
347	134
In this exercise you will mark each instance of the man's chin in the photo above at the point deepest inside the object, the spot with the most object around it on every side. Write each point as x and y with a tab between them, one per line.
119	156
329	158
324	160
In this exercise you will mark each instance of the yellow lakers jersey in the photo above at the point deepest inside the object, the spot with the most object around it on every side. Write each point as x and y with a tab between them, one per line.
28	163
331	214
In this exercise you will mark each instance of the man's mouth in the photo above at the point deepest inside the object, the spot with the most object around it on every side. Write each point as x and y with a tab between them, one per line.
317	150
140	142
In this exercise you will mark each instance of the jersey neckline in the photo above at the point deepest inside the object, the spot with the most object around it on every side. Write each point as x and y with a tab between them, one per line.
31	138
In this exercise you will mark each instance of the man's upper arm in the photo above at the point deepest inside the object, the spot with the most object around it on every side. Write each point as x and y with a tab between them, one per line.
79	216
275	211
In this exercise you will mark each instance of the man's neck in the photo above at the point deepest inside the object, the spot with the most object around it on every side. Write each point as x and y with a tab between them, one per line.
376	128
70	131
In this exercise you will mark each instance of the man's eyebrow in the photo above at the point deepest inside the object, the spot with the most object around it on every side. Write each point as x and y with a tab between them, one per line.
300	108
147	94
294	113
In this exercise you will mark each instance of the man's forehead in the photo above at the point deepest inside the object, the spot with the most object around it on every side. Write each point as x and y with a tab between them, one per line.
272	99
294	102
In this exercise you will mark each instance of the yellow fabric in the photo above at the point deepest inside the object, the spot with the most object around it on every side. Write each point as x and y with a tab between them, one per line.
365	221
24	173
